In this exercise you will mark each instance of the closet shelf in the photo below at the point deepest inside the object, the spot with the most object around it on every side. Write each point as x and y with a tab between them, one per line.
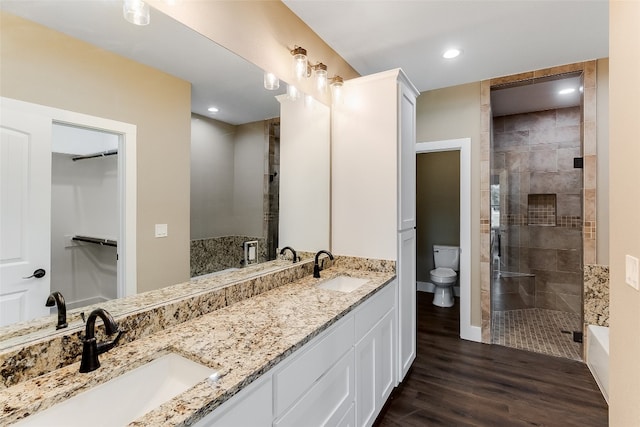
96	240
91	156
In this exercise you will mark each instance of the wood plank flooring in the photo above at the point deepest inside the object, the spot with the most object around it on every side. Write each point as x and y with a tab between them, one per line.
461	383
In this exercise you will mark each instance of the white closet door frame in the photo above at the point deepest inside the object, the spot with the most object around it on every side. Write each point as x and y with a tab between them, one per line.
127	183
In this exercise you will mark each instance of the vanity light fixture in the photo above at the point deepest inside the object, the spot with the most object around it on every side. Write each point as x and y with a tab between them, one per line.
300	63
336	89
136	12
271	82
303	69
321	76
451	53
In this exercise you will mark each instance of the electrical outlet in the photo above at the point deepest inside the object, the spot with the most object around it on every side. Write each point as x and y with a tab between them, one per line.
631	271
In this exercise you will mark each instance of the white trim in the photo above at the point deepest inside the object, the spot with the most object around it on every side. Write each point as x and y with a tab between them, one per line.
127	272
467	330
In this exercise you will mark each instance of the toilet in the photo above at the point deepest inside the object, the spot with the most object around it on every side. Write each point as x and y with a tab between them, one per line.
444	276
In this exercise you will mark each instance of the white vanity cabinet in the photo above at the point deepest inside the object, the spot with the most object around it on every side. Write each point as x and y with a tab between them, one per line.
342	377
373	186
375	355
315	386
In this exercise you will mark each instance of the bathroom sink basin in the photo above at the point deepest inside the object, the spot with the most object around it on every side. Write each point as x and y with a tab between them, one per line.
126	397
342	283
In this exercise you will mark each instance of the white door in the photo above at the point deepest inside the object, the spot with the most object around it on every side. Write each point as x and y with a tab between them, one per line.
406	301
25	203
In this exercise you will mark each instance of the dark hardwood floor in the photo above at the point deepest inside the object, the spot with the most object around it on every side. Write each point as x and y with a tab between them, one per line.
461	383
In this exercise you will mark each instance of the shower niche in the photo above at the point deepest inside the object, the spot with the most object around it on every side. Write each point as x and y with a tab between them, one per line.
541	209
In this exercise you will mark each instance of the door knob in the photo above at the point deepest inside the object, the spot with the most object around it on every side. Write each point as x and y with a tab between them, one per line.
38	274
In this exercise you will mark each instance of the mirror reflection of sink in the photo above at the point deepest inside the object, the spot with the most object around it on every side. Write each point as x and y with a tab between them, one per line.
342	283
126	397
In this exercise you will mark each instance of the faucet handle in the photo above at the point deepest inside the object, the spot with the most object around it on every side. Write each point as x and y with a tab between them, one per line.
106	346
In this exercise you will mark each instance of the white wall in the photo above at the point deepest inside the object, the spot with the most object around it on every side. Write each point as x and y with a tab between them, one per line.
304	175
84	201
364	168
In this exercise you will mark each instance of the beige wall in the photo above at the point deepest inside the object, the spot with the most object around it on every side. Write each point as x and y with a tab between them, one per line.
437	206
451	113
45	67
624	209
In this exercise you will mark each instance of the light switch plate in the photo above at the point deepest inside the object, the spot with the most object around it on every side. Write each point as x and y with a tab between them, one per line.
162	230
632	271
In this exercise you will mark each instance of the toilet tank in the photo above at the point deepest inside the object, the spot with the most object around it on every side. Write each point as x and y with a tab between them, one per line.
446	256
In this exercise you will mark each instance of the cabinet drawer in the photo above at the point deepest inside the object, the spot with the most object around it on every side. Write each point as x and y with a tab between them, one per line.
298	375
328	401
374	309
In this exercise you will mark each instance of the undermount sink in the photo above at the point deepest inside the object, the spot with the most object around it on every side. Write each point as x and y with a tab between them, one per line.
126	397
342	283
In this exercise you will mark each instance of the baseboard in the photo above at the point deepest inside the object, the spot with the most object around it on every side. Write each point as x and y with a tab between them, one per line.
471	333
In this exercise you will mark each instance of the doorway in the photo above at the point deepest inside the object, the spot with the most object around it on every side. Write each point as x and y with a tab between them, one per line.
463	145
536	215
23	293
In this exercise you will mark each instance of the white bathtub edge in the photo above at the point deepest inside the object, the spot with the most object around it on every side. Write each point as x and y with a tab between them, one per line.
598	357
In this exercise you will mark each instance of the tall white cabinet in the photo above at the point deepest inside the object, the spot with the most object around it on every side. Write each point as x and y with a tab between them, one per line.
373	187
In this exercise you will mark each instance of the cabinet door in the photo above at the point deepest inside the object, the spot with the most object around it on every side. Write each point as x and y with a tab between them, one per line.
406	268
252	407
328	401
375	370
406	158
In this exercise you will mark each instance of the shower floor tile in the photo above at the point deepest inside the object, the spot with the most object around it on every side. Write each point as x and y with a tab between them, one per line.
537	330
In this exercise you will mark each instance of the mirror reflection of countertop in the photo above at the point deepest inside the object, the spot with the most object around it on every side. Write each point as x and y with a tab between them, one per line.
241	341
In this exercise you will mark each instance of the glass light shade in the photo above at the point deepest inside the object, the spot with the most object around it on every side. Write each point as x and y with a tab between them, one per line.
136	12
292	92
336	90
321	79
299	62
300	65
271	82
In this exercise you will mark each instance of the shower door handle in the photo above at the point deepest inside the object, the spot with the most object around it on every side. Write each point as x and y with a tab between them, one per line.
38	274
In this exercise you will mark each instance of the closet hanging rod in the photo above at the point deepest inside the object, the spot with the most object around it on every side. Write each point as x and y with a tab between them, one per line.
92	156
97	241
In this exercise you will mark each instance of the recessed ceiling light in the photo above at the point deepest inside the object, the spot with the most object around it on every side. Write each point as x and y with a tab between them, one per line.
451	53
213	110
567	91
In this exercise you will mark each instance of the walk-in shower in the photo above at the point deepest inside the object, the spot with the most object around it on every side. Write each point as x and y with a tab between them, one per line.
536	215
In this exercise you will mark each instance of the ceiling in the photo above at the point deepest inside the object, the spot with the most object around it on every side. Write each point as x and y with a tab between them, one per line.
497	38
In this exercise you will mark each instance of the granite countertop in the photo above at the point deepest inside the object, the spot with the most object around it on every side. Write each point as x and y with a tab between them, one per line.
241	341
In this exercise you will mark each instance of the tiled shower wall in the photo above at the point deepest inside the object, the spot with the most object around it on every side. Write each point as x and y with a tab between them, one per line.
589	153
541	207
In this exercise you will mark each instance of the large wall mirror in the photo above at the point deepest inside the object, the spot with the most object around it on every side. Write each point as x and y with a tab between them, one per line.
244	179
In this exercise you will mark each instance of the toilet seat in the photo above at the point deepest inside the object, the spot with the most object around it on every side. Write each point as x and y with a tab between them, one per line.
443	273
